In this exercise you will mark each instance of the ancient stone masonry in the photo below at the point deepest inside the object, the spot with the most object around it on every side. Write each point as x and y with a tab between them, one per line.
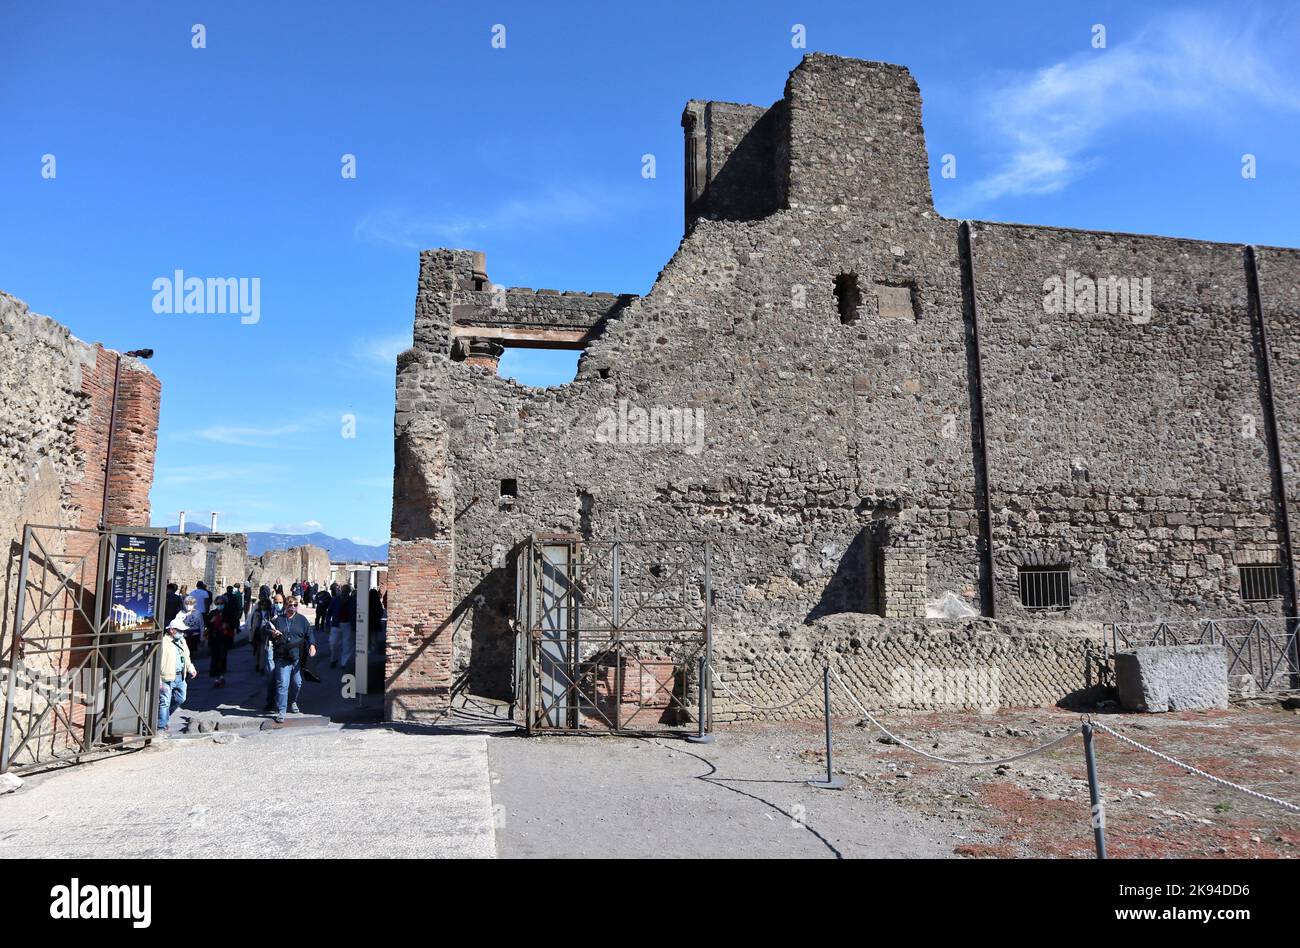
222	559
867	409
56	401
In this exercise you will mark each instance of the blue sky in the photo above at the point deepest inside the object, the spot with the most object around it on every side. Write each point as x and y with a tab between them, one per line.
225	162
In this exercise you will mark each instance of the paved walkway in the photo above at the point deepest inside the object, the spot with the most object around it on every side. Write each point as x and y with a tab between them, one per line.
582	797
304	792
222	783
331	783
238	706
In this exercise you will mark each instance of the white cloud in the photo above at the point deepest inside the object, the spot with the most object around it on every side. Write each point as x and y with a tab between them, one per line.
180	475
248	436
546	211
1191	65
382	350
305	526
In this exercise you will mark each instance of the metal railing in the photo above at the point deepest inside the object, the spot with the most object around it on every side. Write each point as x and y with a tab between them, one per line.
1263	647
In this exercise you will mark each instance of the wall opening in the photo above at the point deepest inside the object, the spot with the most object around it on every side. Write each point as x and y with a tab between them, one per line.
848	297
539	368
586	503
509	487
1045	588
1260	582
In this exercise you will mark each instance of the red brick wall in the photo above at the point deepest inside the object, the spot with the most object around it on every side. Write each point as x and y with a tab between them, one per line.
92	439
417	674
135	440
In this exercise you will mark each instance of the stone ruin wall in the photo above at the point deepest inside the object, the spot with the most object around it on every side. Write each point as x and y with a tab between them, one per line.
57	392
55	400
188	562
1112	444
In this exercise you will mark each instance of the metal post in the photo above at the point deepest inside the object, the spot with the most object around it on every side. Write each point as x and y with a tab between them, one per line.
831	782
1094	793
1277	469
983	486
700	737
15	645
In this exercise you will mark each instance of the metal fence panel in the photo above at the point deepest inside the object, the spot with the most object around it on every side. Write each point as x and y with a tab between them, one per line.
611	633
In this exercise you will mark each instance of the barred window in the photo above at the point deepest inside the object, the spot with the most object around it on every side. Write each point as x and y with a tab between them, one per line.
1260	582
1045	587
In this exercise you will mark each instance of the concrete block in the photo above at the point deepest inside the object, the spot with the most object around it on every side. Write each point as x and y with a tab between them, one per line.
1172	678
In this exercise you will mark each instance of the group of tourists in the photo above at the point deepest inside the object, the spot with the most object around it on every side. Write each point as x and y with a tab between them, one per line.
282	637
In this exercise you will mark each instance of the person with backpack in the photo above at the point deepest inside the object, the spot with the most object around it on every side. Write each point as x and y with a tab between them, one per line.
221	636
322	603
233	613
259	633
293	642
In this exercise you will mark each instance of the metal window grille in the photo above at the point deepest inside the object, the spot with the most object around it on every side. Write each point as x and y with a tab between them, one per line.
1045	587
1260	582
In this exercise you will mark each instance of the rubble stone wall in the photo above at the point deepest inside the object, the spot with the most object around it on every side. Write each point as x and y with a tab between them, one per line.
56	404
811	364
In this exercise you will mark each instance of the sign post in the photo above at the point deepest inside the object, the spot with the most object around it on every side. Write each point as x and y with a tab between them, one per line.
130	627
365	578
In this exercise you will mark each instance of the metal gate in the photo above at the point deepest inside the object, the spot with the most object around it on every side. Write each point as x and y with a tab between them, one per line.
82	669
610	634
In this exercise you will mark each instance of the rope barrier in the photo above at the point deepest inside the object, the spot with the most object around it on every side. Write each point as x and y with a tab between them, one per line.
947	760
1196	770
759	707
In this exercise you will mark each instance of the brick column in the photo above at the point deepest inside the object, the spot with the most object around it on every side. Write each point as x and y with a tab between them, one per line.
418	660
903	568
135	439
421	562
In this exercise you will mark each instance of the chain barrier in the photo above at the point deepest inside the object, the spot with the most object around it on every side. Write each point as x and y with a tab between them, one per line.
1195	770
1069	735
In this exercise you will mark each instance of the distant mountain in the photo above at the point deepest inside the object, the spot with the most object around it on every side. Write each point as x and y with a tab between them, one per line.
341	551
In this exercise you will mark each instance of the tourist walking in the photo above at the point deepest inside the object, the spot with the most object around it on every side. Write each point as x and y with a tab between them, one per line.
190	621
338	602
221	637
175	603
233	613
174	664
201	597
293	641
348	625
322	602
259	633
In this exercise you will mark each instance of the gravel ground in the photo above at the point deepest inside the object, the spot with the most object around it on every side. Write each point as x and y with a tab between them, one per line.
1040	806
745	794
